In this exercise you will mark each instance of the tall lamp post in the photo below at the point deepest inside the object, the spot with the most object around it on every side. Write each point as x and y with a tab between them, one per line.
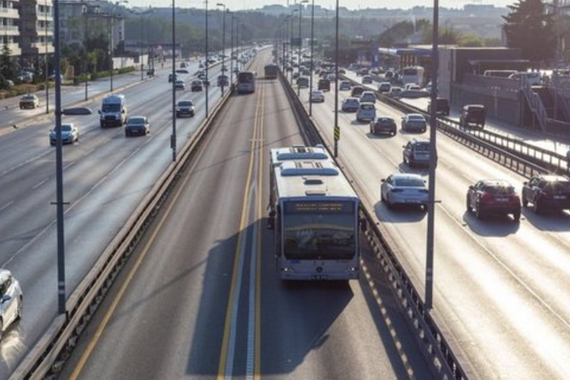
336	131
173	137
223	40
291	40
232	52
46	57
207	61
300	41
432	161
312	58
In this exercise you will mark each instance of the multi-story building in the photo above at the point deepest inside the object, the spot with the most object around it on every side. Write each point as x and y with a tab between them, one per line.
9	32
36	31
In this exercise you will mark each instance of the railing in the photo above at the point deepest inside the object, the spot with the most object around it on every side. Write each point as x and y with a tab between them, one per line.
535	104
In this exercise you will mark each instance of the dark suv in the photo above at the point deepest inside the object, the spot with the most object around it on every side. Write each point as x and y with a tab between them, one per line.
492	197
473	115
547	192
442	107
416	152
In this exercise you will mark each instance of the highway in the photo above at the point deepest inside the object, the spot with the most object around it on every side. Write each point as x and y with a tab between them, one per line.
105	178
499	285
202	298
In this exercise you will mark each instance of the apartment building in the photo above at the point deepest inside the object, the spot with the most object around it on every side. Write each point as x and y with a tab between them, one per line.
9	31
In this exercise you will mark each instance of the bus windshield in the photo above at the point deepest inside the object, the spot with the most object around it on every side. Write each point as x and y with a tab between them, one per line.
323	231
111	107
245	77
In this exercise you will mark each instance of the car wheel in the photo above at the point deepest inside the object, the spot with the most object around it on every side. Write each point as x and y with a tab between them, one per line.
517	216
20	310
1	328
404	158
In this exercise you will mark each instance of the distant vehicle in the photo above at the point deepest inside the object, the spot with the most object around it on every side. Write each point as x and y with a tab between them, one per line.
137	125
324	84
493	196
11	300
182	71
223	80
196	86
366	112
416	152
303	82
404	189
367	79
356	91
185	108
331	77
363	71
29	101
531	78
246	82
170	76
314	212
414	93
395	92
317	96
499	73
472	115
271	71
345	85
384	87
443	107
69	134
413	74
179	84
113	111
383	124
547	192
414	122
350	104
368	97
25	77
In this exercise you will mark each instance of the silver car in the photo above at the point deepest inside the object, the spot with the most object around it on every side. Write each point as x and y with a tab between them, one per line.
404	189
69	134
368	97
11	300
366	112
414	122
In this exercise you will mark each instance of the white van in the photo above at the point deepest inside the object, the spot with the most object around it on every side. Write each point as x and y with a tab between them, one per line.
532	78
113	111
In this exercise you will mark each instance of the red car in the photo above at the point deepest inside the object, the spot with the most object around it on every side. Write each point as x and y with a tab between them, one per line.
493	197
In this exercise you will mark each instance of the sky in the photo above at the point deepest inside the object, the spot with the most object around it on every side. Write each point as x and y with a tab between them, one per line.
330	4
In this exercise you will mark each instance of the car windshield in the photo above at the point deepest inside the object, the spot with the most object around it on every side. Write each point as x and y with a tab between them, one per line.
111	107
136	121
64	128
409	182
416	117
367	107
422	147
185	103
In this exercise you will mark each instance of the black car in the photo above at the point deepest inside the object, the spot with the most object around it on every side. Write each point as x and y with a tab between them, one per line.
172	77
547	192
473	115
324	84
196	86
383	124
185	108
442	107
493	197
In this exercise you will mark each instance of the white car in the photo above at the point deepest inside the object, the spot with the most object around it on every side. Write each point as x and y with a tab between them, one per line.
368	97
317	96
404	189
366	112
11	300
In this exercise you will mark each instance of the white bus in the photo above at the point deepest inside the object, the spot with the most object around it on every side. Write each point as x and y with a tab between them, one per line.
413	74
314	212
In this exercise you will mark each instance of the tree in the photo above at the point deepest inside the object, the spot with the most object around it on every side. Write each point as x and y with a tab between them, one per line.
8	67
529	28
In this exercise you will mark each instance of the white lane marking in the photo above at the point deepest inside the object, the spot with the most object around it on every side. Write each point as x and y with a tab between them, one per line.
40	183
6	206
250	360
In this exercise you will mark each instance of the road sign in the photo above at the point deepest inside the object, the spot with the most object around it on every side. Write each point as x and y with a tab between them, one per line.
295	41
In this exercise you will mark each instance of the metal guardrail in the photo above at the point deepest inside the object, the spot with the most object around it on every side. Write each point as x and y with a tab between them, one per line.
46	359
436	349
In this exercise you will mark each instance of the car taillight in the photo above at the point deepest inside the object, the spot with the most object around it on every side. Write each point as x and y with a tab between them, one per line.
486	197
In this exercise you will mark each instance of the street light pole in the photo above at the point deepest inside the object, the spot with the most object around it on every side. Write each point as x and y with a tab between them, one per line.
432	161
311	64
232	53
300	41
290	45
223	40
173	137
46	57
207	62
336	131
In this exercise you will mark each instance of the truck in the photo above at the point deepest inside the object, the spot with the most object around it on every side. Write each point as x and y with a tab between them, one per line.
113	112
271	71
